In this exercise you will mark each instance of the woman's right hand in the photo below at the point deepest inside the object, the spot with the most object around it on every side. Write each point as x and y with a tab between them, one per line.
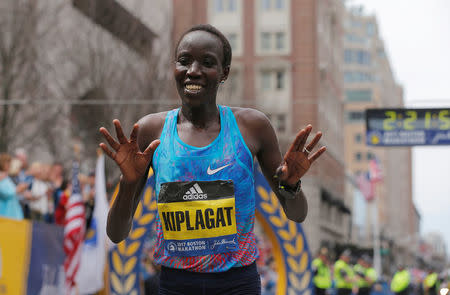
126	153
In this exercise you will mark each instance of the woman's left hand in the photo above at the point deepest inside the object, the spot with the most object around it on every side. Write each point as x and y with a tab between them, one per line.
299	158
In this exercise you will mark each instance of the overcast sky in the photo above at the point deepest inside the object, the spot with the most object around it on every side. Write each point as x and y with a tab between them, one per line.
417	38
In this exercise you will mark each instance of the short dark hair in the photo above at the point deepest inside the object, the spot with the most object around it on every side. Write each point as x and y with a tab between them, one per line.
226	47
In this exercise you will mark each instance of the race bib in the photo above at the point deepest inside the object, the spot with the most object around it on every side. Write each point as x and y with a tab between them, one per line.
198	217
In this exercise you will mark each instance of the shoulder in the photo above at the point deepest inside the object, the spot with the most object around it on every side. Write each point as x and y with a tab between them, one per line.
150	128
250	118
152	121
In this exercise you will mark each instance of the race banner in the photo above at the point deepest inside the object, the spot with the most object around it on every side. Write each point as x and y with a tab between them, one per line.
31	258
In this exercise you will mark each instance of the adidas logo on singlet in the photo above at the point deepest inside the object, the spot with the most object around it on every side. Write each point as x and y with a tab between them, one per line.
195	193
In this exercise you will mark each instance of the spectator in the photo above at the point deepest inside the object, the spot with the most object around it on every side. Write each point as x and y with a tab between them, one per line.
9	202
39	205
58	184
23	176
89	197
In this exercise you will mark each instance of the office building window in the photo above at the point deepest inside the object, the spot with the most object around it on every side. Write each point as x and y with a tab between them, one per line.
225	5
274	80
355	116
232	5
232	38
265	4
265	41
370	156
280	80
348	56
273	4
280	40
266	78
358	137
281	123
273	41
361	57
218	5
359	95
357	77
358	156
280	4
370	29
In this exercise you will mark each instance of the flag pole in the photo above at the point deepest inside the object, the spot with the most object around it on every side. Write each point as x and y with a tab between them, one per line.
376	238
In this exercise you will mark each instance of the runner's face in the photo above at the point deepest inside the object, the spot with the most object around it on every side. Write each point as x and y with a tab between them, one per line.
198	67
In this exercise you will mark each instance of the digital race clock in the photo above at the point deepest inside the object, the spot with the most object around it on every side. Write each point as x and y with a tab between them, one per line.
405	127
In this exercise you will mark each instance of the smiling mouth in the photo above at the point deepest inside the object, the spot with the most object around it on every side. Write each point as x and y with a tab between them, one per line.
193	87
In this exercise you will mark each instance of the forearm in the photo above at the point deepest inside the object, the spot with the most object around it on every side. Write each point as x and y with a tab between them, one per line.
295	209
120	216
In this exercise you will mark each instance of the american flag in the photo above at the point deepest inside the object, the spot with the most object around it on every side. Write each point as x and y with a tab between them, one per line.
74	228
375	174
365	186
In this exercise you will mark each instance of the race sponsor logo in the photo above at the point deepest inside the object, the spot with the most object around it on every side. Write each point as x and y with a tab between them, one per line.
195	193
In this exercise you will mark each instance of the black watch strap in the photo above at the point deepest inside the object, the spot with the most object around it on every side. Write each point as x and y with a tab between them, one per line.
289	192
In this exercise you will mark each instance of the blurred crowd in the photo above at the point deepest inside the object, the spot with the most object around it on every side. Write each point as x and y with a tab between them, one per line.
357	275
39	191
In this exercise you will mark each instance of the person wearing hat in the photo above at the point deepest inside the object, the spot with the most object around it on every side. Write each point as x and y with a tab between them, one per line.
430	283
321	271
344	274
401	281
366	275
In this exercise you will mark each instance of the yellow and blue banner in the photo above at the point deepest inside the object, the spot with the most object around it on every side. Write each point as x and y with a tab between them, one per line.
31	258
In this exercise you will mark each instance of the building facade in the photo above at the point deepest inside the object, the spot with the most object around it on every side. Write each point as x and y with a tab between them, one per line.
370	83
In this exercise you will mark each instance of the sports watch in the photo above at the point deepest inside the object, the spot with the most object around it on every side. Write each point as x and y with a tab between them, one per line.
289	192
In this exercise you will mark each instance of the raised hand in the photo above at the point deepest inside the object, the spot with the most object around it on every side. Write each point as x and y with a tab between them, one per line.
126	153
298	158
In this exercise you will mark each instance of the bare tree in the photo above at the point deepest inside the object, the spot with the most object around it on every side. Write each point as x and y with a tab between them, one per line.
58	66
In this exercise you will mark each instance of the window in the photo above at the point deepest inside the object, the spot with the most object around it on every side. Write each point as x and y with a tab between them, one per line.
359	95
280	80
218	5
355	116
273	41
358	137
265	41
266	78
363	57
370	156
225	5
265	4
274	80
352	77
357	56
281	124
279	4
232	5
348	56
232	38
279	37
370	29
358	156
273	4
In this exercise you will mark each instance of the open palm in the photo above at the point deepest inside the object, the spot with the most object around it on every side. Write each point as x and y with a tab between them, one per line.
298	158
126	153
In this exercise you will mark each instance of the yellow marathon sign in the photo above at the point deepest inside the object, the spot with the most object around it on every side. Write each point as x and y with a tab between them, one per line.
198	217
